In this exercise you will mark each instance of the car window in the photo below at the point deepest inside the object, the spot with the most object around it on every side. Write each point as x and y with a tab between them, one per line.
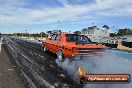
79	39
83	40
53	37
57	38
71	38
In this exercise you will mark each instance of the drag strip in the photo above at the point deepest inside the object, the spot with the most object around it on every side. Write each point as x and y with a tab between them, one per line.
39	67
45	71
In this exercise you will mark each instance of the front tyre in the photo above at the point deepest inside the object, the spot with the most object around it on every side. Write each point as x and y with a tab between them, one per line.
44	49
60	55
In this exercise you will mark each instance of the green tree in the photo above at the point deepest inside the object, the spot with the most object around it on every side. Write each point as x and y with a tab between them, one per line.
48	31
106	26
122	32
77	32
113	35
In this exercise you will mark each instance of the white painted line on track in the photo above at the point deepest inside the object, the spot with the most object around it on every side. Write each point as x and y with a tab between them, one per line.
0	46
0	43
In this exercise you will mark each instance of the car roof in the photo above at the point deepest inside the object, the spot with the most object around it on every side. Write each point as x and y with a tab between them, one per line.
66	33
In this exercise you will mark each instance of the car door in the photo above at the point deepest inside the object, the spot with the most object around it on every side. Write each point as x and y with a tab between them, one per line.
51	43
57	42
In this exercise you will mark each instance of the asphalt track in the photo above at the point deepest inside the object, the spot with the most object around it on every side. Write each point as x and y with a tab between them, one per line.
44	71
37	66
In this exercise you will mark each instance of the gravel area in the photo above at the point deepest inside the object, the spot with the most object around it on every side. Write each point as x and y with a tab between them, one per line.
8	74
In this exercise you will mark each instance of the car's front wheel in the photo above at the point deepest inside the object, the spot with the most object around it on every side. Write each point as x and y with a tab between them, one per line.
44	49
60	55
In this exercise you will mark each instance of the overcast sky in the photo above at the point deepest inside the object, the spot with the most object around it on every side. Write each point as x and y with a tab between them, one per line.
42	15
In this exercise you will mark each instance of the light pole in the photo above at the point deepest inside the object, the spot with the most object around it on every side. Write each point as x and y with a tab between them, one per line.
41	34
26	31
22	35
29	33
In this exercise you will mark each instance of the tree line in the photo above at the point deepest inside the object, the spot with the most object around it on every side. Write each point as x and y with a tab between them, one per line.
121	32
42	34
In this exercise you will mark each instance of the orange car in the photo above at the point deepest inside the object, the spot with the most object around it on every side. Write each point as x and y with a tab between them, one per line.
71	45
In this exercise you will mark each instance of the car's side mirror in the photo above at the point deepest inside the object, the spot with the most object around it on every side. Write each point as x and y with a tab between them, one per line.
49	38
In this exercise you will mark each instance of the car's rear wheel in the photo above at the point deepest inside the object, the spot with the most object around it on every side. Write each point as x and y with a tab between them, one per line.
60	55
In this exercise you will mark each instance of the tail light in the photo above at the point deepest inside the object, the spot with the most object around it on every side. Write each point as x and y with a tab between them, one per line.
74	49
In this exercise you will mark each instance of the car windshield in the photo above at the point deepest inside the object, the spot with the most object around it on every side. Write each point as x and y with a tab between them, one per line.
79	39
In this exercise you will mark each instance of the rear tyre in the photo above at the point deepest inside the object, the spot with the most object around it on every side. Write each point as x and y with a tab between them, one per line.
60	55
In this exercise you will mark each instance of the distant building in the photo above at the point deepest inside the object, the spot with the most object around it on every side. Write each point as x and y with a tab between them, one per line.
120	39
127	38
96	34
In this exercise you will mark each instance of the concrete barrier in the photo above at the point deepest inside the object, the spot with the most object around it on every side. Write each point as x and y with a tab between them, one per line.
110	45
127	44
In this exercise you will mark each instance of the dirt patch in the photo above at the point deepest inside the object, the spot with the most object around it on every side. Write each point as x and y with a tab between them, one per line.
10	76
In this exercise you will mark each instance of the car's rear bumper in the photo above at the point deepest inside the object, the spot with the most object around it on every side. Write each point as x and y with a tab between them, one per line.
81	55
87	53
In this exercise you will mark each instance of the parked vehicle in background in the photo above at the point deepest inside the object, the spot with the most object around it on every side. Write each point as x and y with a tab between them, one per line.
71	45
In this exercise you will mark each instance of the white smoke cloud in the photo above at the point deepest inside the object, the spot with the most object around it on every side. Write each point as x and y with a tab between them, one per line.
105	64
